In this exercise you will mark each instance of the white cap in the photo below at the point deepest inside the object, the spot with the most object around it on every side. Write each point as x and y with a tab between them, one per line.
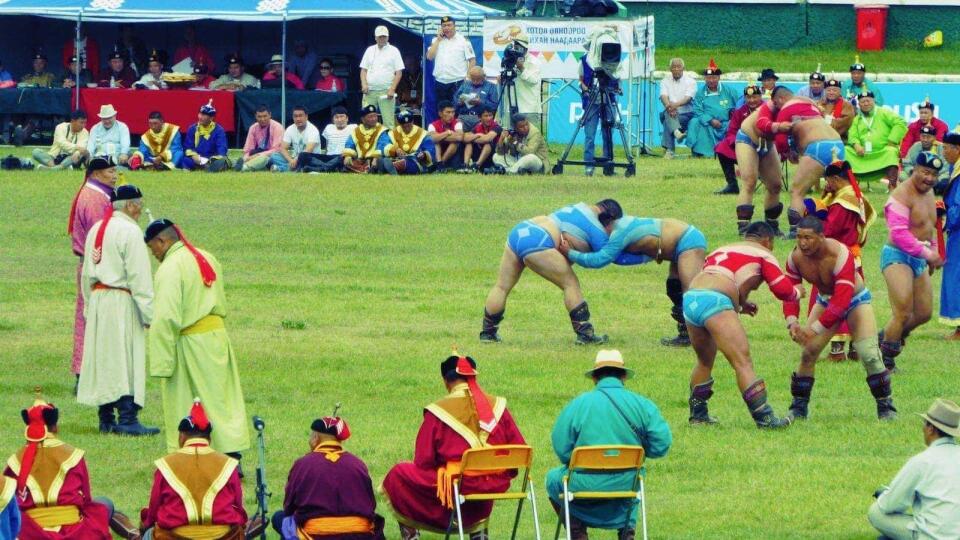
381	31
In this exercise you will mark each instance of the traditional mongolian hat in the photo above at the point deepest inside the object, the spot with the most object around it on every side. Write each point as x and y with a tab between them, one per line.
927	104
369	109
768	73
196	421
833	83
857	65
208	109
207	272
712	69
466	367
404	116
39	418
332	425
751	90
928	130
931	160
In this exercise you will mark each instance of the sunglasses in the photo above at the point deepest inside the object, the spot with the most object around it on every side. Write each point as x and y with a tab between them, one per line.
325	67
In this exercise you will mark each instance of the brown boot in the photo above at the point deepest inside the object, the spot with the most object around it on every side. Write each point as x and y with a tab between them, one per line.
408	533
626	534
836	352
124	528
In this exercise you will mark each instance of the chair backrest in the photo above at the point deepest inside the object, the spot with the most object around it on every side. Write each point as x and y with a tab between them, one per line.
607	458
497	458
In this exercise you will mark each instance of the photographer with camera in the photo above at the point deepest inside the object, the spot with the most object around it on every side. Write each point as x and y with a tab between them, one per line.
521	74
474	95
522	149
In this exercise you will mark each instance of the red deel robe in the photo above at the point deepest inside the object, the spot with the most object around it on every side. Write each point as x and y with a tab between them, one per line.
726	146
412	486
913	133
56	460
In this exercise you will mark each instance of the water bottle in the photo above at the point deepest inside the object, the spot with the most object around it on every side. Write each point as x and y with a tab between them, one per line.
113	82
334	87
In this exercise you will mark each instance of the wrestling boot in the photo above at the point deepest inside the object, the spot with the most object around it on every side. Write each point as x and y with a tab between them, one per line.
580	319
879	384
836	352
408	533
772	217
793	217
699	395
800	388
744	216
889	351
107	420
127	423
852	353
491	323
755	396
675	294
626	534
123	527
730	174
480	535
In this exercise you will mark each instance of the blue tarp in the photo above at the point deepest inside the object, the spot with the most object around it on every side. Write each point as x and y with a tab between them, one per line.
242	10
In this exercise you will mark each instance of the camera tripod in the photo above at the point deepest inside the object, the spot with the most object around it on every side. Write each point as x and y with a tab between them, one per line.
507	97
602	101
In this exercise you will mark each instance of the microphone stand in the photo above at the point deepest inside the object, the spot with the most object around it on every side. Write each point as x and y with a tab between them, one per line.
262	493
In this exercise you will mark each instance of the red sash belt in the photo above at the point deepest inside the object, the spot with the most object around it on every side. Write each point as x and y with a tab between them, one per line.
101	287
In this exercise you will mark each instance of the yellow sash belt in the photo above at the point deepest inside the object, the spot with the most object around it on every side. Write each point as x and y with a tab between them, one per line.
206	324
48	517
328	526
202	532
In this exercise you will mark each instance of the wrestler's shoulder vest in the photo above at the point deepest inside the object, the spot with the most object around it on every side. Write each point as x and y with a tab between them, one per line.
197	475
53	461
459	413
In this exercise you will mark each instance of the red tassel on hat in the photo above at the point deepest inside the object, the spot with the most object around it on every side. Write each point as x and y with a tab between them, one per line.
484	411
98	241
712	66
35	433
838	109
856	191
206	271
341	427
199	416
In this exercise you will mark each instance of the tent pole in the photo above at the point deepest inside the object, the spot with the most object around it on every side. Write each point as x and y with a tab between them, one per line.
76	50
423	71
283	72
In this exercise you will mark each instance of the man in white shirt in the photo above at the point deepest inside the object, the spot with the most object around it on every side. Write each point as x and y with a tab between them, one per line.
929	484
452	56
110	137
380	70
527	84
69	144
153	78
335	135
676	95
300	137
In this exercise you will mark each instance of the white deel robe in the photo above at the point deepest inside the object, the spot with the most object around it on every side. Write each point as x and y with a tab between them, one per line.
114	353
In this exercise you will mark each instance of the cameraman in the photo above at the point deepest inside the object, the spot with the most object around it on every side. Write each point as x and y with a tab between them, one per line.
522	149
527	83
592	114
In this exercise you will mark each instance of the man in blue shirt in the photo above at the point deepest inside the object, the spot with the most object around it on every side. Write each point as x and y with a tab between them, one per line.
474	95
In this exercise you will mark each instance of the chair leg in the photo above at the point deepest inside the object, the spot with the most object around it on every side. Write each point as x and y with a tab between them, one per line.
556	534
533	505
566	508
456	498
643	508
516	520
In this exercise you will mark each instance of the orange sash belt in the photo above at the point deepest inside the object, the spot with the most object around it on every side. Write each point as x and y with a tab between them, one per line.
446	475
101	287
329	526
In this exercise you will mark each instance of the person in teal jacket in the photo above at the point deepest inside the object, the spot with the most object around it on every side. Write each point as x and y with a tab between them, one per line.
608	415
711	113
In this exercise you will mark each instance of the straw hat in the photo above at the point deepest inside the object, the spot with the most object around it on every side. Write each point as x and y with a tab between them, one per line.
107	111
945	416
609	358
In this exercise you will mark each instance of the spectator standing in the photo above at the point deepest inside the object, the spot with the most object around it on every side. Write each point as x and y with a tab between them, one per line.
196	52
712	107
474	96
676	95
528	84
300	137
118	74
815	87
950	285
327	81
69	144
71	76
523	149
303	63
133	49
263	140
452	56
410	88
926	118
929	484
110	137
89	53
271	79
380	71
235	80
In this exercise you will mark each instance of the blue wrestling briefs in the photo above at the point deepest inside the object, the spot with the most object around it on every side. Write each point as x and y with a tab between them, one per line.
862	297
701	304
742	137
894	255
528	237
822	151
691	238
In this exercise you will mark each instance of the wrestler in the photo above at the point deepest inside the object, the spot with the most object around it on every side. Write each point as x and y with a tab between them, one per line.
640	240
533	243
830	267
912	246
754	158
711	306
814	145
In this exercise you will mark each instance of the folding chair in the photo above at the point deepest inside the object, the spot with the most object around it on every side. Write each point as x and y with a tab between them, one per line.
491	459
605	459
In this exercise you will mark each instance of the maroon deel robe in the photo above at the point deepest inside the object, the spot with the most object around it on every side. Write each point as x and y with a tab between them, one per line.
412	487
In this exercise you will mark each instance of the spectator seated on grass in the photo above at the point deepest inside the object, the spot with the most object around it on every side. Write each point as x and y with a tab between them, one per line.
410	150
69	148
110	137
334	138
815	87
205	143
522	150
928	143
300	137
160	147
858	85
263	140
447	133
926	119
482	142
363	150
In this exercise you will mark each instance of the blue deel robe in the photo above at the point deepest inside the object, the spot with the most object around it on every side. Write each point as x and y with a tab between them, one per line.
175	148
950	286
707	105
590	420
10	513
208	147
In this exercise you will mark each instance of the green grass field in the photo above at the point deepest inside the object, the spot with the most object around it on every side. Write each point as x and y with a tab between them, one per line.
352	289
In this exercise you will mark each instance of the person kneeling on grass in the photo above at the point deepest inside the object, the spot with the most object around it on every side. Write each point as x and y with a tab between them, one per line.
929	484
523	149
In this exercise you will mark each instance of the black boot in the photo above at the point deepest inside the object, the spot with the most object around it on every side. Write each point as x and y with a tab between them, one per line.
800	387
880	387
772	217
128	423
580	319
793	217
744	217
107	420
889	351
730	174
699	395
76	385
675	294
491	323
755	396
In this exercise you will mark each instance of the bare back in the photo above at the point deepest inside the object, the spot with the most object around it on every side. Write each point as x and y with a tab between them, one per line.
812	130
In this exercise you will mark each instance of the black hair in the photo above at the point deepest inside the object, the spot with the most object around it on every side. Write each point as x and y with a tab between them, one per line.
811	222
327	60
490	110
262	108
759	229
608	371
448	368
609	211
338	110
444	105
155	115
778	89
517	118
78	114
299	108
